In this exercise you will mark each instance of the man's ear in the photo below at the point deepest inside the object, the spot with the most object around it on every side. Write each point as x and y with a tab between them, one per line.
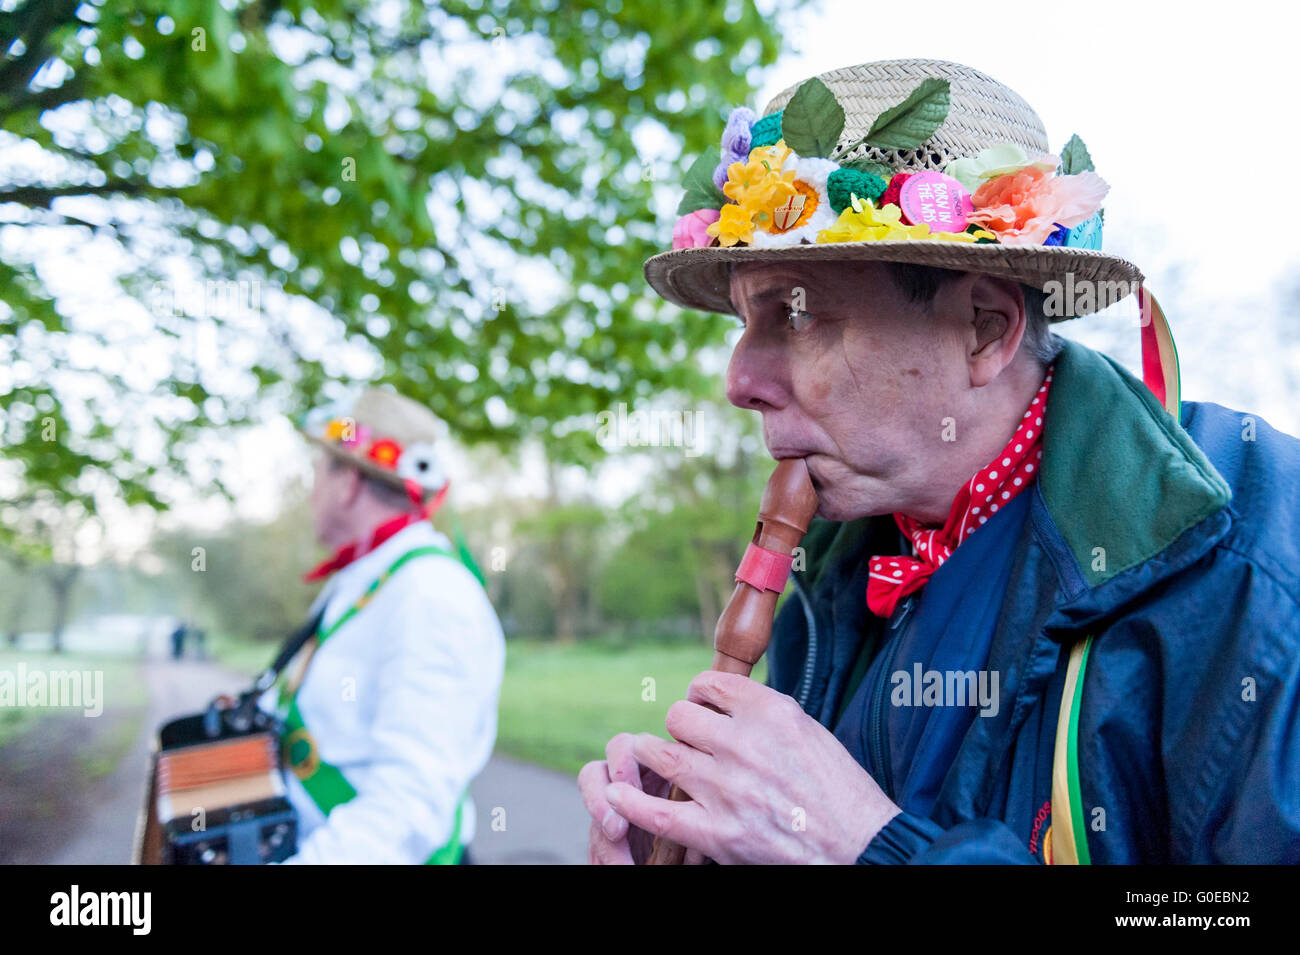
997	325
351	482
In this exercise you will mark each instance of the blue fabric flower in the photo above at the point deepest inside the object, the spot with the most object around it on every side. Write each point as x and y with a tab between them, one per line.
1086	235
1057	237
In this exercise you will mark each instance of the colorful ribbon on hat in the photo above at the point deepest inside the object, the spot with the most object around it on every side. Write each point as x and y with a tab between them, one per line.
1159	355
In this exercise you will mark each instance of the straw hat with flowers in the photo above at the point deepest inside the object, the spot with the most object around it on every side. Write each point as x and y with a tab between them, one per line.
387	436
913	161
918	161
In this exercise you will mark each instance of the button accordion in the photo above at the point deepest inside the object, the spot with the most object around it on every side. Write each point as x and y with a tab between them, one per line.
216	798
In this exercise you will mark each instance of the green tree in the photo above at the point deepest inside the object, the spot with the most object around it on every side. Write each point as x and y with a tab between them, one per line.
684	537
39	538
246	580
566	541
463	192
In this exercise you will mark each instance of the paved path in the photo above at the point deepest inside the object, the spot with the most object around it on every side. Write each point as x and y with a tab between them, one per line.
176	687
539	816
526	814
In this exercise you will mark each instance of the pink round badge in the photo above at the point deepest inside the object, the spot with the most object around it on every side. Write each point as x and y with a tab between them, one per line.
939	201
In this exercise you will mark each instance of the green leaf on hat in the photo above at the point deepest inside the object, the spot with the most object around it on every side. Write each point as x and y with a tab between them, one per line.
701	192
1075	157
870	167
909	124
812	121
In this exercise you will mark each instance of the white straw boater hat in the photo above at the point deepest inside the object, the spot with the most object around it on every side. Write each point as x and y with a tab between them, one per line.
990	196
386	435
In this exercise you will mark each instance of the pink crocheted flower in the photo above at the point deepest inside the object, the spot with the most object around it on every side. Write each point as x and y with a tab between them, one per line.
691	230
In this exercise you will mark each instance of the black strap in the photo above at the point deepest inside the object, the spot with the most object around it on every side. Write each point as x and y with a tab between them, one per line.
244	715
266	679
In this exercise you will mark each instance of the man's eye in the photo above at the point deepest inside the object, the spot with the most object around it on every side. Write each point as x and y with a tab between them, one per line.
798	319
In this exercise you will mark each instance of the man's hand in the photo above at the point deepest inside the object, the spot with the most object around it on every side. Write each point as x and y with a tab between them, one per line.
611	841
769	783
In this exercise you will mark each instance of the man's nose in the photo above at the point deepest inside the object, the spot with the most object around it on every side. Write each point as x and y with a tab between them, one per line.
756	375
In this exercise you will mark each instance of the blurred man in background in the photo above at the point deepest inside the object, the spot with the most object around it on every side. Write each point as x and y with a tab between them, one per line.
390	709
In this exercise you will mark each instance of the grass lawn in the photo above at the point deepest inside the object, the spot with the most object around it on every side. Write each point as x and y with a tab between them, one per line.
243	656
561	704
124	699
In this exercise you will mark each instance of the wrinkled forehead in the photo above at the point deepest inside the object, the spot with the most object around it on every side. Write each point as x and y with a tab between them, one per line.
754	283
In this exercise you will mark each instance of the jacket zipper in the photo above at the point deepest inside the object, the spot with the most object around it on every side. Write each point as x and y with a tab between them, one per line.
810	659
878	752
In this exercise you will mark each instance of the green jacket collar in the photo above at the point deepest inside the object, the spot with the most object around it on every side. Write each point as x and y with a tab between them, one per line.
1121	479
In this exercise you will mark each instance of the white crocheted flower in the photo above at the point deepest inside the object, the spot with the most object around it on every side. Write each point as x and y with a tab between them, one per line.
419	463
808	211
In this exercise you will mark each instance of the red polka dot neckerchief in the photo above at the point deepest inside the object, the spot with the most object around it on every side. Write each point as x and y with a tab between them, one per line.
891	578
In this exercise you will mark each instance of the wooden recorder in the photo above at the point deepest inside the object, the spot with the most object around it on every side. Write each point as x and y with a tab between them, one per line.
745	627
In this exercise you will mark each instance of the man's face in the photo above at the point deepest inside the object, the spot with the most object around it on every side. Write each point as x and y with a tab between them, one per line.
850	375
330	494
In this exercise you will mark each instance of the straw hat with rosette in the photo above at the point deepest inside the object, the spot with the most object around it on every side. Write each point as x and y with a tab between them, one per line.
385	435
914	161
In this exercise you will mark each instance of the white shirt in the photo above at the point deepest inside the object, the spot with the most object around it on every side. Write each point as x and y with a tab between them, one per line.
402	699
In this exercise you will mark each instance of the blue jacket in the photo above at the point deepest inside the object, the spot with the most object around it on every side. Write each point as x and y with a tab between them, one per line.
1178	551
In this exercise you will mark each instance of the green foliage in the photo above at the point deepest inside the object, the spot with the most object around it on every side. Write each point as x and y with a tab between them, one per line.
460	188
813	120
701	191
573	541
246	579
1075	157
673	572
681	541
909	124
871	168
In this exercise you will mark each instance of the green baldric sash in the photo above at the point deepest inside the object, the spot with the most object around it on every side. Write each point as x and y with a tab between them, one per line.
326	784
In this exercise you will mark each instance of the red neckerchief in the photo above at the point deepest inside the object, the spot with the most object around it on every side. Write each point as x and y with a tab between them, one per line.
891	578
364	545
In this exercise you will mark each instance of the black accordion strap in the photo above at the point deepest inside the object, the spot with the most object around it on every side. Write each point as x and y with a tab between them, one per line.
266	679
244	715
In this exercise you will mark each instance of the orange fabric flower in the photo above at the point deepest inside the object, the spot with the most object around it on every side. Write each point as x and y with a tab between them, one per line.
1026	206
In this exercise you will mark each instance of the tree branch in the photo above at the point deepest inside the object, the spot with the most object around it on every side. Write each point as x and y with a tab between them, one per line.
45	99
40	197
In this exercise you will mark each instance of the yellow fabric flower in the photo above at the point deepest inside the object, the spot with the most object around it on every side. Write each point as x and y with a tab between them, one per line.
758	188
757	183
735	225
863	222
963	236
